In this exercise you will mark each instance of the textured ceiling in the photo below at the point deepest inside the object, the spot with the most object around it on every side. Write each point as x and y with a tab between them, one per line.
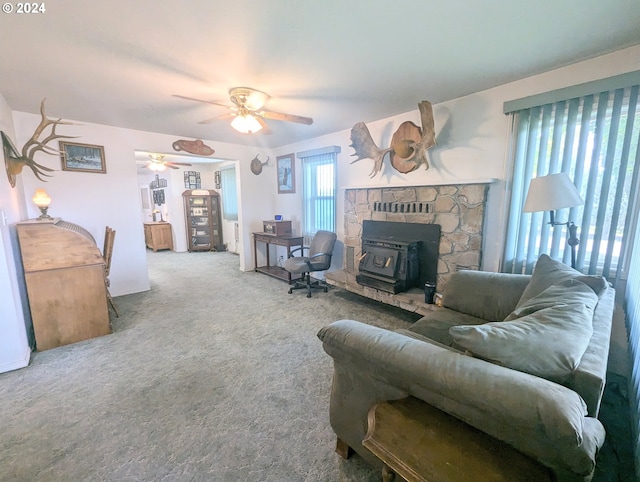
339	62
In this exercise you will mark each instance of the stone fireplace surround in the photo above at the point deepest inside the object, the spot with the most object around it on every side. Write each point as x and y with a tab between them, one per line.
459	210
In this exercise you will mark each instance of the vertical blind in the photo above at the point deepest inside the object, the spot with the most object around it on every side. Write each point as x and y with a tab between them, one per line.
632	310
594	139
319	193
229	194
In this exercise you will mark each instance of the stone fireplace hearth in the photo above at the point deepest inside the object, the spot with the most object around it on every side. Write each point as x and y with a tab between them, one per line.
458	209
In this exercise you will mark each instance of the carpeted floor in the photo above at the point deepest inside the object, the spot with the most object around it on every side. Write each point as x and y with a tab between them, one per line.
213	375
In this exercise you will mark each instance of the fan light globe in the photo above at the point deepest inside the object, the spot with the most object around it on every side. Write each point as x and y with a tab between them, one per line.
246	123
157	166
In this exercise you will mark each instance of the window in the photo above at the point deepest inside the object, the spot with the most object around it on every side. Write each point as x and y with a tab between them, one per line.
229	194
593	138
319	190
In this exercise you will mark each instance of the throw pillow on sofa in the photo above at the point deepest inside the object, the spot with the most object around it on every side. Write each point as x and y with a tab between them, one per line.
549	272
546	336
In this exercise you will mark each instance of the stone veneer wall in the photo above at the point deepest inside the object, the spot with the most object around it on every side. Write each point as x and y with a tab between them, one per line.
458	209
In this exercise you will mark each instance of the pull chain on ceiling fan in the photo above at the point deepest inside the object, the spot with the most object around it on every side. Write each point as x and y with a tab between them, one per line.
246	111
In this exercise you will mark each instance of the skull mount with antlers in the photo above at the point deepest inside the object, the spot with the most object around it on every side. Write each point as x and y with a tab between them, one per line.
408	148
15	162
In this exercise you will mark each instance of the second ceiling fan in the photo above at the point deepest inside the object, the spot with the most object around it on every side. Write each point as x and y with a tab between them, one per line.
247	112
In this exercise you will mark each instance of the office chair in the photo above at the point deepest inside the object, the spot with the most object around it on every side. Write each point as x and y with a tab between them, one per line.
317	259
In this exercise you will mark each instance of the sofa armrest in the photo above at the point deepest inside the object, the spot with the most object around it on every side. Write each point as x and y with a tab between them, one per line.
486	295
540	418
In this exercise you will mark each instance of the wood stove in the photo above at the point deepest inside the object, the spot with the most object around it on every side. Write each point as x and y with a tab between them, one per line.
389	265
398	256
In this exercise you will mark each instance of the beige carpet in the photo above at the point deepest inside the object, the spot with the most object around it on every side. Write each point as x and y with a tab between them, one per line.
213	375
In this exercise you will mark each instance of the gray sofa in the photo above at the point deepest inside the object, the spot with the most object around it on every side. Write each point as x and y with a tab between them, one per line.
521	358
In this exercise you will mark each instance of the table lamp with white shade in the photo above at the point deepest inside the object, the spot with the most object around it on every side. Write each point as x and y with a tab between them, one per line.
552	192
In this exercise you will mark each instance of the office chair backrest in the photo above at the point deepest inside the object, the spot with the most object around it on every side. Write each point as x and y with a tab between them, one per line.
322	242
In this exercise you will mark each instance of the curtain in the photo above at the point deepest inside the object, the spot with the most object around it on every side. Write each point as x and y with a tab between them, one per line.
594	139
229	194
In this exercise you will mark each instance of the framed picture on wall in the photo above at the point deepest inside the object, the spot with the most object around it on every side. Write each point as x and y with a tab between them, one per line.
82	157
285	167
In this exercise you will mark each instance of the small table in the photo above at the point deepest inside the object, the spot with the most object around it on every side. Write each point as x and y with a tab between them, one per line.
420	443
157	235
269	239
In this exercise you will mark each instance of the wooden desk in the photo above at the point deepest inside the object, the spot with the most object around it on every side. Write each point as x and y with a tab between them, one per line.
158	236
420	443
269	239
65	279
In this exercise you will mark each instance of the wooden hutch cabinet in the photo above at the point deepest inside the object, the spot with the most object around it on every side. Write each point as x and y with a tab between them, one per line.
203	220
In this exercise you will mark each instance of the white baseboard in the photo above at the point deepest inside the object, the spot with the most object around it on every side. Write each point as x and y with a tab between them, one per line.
17	364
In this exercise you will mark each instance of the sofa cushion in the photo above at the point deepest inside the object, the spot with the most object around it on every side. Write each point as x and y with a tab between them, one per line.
549	272
546	336
490	296
435	325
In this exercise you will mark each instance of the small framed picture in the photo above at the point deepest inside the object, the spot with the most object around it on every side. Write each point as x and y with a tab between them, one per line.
82	157
285	166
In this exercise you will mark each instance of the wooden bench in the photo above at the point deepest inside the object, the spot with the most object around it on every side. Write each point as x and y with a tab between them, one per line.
423	444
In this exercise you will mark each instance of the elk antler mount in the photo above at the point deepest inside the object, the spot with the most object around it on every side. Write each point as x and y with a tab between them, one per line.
409	143
15	161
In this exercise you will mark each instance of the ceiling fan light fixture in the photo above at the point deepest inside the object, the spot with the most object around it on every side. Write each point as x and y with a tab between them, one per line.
246	123
157	166
247	97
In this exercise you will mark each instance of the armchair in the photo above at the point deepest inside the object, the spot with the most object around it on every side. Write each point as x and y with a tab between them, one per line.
317	259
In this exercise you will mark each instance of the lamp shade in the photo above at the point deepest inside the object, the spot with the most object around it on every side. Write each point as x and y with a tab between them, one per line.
41	198
552	192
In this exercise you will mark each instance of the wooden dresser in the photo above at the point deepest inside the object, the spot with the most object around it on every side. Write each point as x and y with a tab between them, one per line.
158	235
65	279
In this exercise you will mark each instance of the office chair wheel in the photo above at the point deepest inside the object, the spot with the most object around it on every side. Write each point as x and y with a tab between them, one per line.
290	291
308	295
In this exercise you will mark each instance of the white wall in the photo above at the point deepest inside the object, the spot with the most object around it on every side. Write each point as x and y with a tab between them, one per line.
14	348
95	200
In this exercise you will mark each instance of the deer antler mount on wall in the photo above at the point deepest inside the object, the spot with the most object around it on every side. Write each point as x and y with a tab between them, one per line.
256	165
15	162
409	143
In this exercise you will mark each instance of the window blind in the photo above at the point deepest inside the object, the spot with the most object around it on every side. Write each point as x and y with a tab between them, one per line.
594	139
229	194
319	193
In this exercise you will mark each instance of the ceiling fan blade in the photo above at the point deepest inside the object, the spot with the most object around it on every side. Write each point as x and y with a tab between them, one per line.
230	115
265	127
267	114
178	163
213	102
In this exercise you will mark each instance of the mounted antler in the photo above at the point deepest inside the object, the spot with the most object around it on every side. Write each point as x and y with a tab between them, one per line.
256	164
15	162
366	148
410	144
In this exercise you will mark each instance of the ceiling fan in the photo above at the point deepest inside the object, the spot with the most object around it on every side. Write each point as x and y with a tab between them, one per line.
157	163
247	112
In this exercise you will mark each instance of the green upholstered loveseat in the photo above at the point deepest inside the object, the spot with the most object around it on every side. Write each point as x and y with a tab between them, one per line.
521	358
